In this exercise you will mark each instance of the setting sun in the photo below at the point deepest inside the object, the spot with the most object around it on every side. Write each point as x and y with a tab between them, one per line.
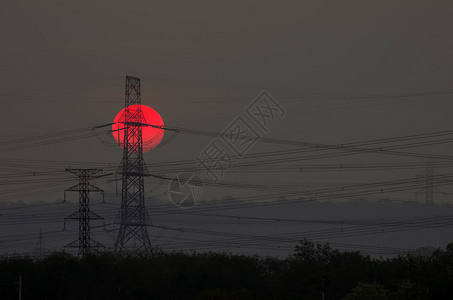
150	133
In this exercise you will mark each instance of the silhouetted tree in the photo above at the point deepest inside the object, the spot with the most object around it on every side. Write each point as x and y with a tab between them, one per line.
368	291
312	271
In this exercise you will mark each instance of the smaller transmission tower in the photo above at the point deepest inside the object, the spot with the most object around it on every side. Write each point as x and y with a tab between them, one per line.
38	251
84	215
40	243
429	183
427	179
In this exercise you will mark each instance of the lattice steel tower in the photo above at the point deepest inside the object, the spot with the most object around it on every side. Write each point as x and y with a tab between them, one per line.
133	234
85	243
427	179
429	183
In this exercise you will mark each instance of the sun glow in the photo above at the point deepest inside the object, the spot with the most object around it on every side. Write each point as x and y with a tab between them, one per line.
151	135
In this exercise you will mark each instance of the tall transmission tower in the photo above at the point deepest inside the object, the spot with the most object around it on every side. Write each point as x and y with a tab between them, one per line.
84	215
133	235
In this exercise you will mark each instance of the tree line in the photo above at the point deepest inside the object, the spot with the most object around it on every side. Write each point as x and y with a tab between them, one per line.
313	271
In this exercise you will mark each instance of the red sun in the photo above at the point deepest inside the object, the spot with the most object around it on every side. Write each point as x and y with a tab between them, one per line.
151	135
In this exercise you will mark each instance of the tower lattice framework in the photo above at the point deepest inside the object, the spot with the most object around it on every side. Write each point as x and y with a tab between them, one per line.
133	235
429	183
84	215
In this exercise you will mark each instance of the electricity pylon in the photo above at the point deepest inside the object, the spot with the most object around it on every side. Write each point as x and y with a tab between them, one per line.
38	250
133	235
85	243
427	179
429	183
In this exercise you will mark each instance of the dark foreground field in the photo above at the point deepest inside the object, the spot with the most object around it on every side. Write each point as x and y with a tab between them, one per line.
312	272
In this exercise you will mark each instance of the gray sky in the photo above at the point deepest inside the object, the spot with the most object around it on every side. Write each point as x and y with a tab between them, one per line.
345	71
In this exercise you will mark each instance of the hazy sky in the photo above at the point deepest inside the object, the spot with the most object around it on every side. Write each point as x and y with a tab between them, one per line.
345	71
62	64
